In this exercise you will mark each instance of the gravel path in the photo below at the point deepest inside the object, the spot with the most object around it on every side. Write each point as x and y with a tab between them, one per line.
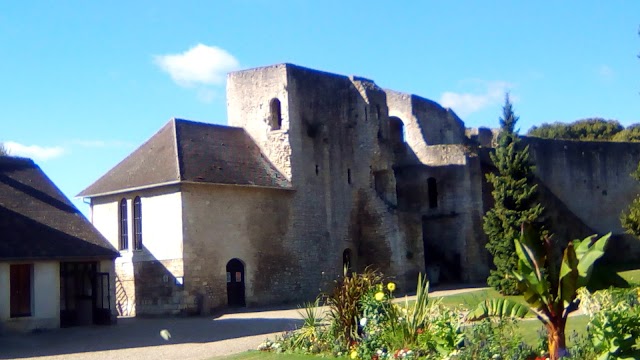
138	338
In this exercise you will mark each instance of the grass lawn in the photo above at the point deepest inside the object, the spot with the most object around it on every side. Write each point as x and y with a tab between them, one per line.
471	299
632	276
529	328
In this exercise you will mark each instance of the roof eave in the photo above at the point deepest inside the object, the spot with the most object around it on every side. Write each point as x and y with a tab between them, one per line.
120	191
60	258
290	188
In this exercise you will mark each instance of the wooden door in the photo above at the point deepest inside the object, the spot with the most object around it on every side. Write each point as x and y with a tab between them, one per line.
235	283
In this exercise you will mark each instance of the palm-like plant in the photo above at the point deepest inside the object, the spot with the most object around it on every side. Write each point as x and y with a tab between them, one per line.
344	304
550	285
417	314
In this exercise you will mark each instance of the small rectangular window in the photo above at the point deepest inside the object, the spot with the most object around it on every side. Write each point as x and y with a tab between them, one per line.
21	276
349	176
432	189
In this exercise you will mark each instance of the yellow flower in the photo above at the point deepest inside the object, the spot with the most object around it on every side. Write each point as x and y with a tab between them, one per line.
391	286
354	354
379	296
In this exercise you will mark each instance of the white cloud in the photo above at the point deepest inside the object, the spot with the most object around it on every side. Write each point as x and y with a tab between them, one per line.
606	72
467	103
35	152
200	65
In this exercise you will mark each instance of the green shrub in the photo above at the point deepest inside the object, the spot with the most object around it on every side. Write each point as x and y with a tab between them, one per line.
375	333
497	339
417	329
614	326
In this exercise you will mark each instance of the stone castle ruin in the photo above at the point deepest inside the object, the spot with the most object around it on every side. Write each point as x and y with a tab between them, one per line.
318	172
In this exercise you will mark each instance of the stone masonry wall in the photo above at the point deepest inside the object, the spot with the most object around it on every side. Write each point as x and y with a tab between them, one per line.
452	236
245	223
425	121
333	127
593	180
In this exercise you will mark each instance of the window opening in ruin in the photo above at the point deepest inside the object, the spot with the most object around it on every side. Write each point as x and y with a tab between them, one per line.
349	176
347	266
432	189
124	225
396	127
137	223
377	111
317	170
366	115
275	120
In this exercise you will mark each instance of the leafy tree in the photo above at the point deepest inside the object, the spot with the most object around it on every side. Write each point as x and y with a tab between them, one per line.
515	203
630	134
585	129
630	218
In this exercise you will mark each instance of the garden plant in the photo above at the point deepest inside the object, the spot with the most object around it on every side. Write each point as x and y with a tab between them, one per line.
364	321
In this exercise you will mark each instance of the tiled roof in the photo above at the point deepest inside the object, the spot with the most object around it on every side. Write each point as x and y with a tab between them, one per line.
38	222
194	152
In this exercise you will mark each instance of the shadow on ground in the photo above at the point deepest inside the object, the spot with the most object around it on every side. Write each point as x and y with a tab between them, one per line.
135	333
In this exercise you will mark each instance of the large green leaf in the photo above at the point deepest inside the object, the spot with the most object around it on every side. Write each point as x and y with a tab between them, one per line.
526	260
589	257
568	276
530	271
530	237
500	307
582	246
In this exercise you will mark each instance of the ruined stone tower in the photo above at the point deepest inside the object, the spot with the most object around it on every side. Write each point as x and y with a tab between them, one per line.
364	164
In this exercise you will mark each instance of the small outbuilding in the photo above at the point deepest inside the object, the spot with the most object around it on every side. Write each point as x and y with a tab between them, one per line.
56	269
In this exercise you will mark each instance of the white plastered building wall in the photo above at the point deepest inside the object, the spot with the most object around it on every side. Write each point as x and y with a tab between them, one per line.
162	236
45	298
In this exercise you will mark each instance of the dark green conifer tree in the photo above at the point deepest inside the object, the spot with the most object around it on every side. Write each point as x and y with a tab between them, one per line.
515	202
630	218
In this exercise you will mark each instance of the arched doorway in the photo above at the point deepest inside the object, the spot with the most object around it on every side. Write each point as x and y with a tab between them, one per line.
347	266
235	283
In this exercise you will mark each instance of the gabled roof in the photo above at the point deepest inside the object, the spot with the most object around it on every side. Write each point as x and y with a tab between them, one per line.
38	222
189	151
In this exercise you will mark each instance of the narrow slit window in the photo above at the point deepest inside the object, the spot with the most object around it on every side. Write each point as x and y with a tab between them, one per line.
349	176
275	120
124	225
432	189
137	223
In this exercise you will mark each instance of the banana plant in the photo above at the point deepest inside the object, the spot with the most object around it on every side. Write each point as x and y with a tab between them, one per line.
498	307
549	284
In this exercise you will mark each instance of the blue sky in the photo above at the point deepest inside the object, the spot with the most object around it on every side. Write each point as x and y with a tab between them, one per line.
85	82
